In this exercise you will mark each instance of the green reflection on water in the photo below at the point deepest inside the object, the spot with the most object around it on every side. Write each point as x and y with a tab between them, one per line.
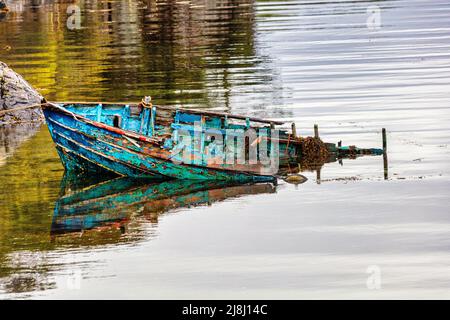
29	184
197	54
191	53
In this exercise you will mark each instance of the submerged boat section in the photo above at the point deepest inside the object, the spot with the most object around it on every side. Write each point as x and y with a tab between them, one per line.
142	140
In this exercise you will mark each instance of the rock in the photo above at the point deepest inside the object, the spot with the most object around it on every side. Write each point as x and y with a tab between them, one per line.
295	179
3	10
3	6
15	92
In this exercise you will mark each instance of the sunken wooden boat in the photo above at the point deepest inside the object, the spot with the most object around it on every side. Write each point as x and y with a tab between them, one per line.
142	140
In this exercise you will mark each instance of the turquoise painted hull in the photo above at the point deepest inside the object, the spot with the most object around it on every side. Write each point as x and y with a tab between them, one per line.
96	147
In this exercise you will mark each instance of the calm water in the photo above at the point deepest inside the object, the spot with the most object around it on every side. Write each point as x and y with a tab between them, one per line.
302	61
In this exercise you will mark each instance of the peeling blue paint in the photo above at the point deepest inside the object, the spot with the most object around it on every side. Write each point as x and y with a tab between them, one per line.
84	144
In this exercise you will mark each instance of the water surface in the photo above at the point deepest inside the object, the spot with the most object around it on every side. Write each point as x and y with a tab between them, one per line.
301	61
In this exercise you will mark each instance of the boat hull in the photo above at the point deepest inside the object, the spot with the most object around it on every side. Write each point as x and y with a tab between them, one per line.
88	146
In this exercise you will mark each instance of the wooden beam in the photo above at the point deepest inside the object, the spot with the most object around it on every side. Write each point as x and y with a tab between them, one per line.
191	111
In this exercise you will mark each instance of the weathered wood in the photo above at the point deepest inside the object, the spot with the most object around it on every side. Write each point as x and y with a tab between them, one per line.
294	130
164	117
222	114
316	131
2	112
190	111
16	93
385	166
385	159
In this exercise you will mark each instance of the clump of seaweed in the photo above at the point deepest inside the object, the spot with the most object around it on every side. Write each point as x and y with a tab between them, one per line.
314	153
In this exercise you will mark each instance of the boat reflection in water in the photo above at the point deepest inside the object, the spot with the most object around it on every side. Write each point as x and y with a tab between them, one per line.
108	205
87	203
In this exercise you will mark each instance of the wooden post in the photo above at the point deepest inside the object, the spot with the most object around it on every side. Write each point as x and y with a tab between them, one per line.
152	121
385	166
385	159
316	131
340	144
318	178
202	139
294	130
99	112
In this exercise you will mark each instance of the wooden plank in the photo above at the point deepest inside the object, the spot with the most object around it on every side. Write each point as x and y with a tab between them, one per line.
192	111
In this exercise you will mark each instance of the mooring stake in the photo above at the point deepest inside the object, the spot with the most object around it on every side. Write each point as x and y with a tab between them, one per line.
294	130
316	131
385	166
385	159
